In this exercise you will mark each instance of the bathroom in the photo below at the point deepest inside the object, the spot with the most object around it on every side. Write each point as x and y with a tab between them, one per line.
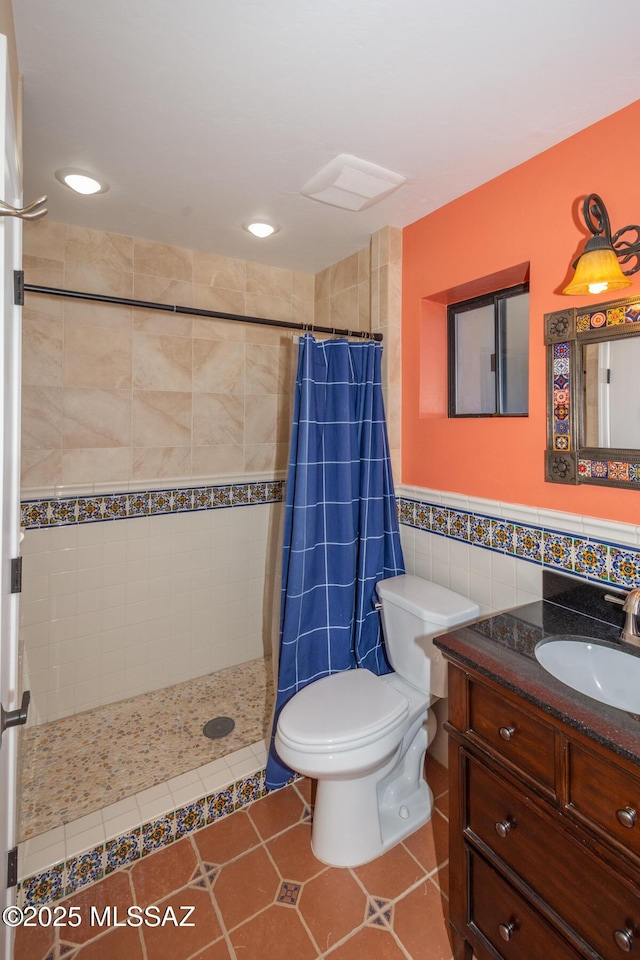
106	605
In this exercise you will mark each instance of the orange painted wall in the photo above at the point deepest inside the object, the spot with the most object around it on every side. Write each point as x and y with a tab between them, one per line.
530	214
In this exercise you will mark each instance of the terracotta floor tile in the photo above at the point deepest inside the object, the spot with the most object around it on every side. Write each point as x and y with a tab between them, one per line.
113	891
176	942
332	905
391	874
275	934
217	951
122	942
441	879
419	922
293	854
442	804
166	870
307	788
437	776
245	886
430	844
227	838
369	944
277	811
33	943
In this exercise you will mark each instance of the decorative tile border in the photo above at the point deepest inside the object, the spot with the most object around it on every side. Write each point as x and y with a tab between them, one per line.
63	511
587	557
628	312
561	404
66	878
609	470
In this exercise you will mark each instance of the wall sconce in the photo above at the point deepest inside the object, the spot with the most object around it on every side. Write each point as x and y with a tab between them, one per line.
598	269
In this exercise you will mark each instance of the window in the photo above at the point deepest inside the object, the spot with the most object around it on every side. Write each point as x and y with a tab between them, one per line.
489	355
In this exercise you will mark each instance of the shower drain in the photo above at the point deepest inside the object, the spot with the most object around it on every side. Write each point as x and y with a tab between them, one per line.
218	727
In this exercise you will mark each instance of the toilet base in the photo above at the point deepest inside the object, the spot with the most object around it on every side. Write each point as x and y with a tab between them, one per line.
357	819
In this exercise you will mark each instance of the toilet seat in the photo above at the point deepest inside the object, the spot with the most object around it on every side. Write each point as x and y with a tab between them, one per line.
341	712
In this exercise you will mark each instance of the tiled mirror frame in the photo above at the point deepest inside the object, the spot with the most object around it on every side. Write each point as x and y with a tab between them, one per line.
565	333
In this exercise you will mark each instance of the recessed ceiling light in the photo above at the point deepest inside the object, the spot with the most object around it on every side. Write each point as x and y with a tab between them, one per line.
80	181
261	228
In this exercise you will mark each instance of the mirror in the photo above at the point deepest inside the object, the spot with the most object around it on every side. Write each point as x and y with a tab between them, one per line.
593	398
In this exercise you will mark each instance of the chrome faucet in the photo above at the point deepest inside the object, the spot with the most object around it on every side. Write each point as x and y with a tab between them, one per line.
631	606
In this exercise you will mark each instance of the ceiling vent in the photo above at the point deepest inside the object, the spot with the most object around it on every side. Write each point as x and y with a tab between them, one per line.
351	183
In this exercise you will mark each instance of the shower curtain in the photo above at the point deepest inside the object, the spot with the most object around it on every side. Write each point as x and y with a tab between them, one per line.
341	527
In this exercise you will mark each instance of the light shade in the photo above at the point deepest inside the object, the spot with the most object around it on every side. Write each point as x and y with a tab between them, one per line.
261	228
597	270
80	181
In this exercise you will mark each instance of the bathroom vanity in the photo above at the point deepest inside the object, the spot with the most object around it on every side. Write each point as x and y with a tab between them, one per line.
545	792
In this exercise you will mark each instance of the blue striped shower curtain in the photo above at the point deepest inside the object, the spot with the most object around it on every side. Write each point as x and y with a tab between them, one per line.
341	527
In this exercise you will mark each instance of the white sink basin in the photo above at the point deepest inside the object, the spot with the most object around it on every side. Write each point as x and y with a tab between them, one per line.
607	674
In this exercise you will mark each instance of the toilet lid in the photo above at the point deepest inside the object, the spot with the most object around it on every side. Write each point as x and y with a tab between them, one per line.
345	709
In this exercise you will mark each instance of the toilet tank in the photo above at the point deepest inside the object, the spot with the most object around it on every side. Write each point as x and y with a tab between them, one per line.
414	611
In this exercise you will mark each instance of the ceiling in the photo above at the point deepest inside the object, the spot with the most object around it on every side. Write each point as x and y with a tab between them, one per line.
203	114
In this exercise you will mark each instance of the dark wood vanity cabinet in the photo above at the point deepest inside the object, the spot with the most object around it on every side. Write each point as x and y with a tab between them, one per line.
544	832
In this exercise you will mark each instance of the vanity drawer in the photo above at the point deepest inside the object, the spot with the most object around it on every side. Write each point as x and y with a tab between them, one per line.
604	796
510	925
513	734
593	901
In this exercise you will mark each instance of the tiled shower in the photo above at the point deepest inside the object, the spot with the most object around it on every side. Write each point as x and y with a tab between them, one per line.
153	451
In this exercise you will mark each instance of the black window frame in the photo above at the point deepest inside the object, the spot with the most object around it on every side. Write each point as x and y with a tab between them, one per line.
498	299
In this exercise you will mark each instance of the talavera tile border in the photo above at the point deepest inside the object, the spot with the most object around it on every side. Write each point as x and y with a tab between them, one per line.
68	877
588	557
63	511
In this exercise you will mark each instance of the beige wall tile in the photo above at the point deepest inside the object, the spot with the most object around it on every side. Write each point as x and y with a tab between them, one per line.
219	460
105	318
219	301
43	238
160	463
162	324
161	363
41	468
214	270
261	419
303	286
162	260
96	278
217	419
161	418
42	272
271	308
96	418
42	350
344	273
262	372
41	417
218	366
345	310
322	285
269	281
210	329
96	246
265	457
94	358
91	465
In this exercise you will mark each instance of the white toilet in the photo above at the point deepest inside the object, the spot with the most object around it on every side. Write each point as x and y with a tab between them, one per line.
364	737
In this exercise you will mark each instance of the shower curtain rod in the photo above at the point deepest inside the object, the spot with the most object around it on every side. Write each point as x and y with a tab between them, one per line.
197	312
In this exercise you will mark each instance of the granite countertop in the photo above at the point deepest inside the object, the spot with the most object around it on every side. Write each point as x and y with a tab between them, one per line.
501	647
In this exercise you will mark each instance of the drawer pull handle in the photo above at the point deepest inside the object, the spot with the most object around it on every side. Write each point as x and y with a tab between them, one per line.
503	827
627	817
506	929
507	733
624	939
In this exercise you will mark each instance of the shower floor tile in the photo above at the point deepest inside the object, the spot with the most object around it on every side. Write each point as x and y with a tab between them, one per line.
80	764
258	893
